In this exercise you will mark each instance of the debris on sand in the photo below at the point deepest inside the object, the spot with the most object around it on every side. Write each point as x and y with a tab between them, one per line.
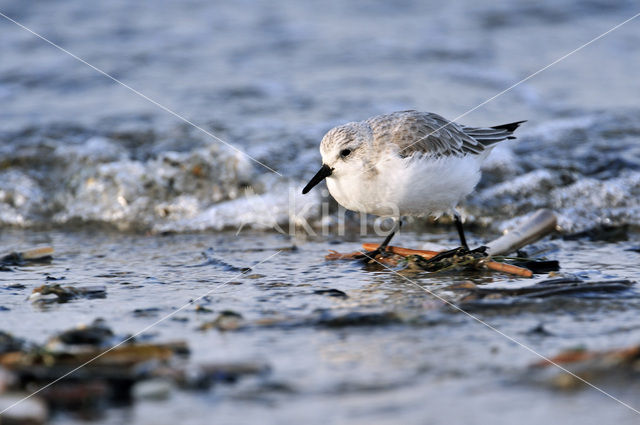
356	318
488	257
432	261
24	258
202	309
227	320
106	369
103	371
208	374
477	296
331	292
56	293
619	365
147	312
96	334
340	318
15	286
9	343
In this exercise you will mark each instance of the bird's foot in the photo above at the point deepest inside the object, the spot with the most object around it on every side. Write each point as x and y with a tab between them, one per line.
460	255
461	251
370	256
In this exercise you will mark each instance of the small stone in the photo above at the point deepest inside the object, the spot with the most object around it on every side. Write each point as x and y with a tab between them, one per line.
146	312
227	320
62	294
201	309
331	293
152	389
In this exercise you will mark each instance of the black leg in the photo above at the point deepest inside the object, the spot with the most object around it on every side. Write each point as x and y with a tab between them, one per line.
463	240
387	240
382	248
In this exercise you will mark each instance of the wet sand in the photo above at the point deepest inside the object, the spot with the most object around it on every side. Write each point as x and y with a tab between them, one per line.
385	351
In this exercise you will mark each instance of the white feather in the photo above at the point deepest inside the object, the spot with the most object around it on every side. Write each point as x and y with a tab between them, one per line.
416	186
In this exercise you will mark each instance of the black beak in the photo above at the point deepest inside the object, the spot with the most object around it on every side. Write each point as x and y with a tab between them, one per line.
324	172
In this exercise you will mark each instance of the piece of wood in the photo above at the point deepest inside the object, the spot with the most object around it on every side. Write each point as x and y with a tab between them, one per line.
539	225
402	251
508	268
34	254
491	265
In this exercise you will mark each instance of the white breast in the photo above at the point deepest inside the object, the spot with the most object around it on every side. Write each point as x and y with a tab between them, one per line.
415	186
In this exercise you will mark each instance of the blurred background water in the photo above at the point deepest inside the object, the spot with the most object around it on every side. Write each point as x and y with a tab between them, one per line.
101	173
271	79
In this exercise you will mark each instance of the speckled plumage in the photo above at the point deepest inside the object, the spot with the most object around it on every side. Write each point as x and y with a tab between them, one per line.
418	132
406	163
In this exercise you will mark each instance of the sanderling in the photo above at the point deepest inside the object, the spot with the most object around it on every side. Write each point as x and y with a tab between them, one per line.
406	163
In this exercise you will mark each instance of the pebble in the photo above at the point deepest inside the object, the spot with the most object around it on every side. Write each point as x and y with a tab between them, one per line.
152	389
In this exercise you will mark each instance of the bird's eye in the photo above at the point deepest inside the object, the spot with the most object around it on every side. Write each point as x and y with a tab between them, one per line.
345	152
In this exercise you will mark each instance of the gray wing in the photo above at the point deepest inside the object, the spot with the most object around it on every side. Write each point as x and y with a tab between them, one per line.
428	133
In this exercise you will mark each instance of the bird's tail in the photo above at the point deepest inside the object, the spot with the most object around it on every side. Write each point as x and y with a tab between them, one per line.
487	136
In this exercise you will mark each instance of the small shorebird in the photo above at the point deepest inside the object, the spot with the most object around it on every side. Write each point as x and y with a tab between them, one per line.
406	163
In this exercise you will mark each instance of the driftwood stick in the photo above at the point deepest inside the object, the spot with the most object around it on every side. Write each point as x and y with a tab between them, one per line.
402	251
508	268
34	254
536	227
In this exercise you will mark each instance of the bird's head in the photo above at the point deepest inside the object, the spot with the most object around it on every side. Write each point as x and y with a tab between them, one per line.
344	151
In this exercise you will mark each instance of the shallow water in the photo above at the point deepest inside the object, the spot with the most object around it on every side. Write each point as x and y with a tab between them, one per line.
424	362
130	196
271	80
